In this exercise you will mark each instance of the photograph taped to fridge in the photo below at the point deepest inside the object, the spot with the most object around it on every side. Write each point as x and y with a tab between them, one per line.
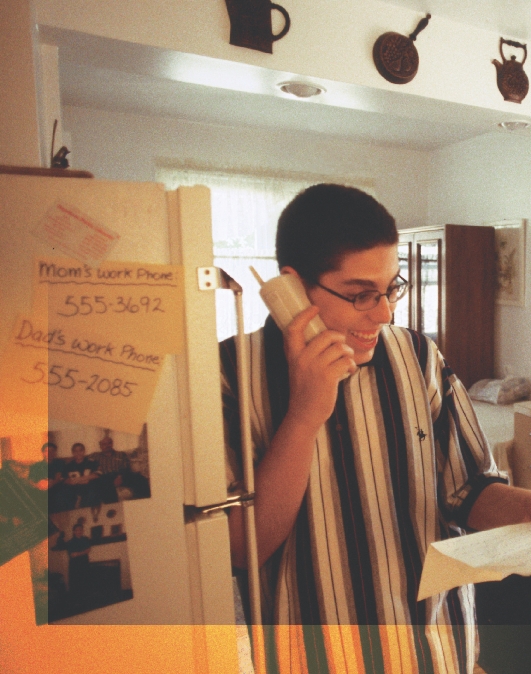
82	566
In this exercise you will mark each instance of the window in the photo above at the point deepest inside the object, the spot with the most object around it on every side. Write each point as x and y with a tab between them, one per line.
245	210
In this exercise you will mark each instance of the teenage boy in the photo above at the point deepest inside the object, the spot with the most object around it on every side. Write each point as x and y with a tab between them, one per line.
80	476
78	548
367	449
47	475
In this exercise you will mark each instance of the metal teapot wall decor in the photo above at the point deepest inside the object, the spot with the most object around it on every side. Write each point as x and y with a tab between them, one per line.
396	57
510	75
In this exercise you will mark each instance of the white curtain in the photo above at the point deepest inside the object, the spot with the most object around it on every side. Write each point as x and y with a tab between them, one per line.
245	211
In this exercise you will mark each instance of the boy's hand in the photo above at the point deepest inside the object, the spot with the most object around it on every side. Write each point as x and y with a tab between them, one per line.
315	370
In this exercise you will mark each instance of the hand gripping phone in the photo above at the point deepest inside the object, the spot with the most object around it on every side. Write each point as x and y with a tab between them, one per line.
285	297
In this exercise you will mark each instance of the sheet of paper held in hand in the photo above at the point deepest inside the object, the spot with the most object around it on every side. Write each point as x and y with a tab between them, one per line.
76	375
476	558
118	299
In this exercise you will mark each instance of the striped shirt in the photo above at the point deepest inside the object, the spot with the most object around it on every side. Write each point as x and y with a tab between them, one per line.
111	462
398	466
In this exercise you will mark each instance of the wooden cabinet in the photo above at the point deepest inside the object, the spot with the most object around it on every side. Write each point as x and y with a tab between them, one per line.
452	269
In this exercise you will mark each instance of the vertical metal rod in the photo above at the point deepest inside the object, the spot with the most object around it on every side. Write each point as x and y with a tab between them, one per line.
248	478
248	470
242	356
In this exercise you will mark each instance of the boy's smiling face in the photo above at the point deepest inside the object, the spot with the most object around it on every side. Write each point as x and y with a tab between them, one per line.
373	269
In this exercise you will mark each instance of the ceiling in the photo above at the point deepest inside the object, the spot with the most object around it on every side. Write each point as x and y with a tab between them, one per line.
157	85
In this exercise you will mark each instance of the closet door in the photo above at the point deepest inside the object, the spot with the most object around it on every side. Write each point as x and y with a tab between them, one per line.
468	301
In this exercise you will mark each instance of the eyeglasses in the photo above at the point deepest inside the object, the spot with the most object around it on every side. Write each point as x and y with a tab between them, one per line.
368	299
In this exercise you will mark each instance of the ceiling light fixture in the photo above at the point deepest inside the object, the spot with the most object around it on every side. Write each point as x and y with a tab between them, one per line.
516	125
301	89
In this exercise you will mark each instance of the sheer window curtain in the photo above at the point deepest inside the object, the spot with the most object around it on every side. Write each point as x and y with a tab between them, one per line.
245	211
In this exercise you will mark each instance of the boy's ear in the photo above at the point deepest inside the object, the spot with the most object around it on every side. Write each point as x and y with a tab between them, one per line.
290	270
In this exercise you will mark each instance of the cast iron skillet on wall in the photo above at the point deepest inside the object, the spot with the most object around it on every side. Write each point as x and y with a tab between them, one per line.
395	56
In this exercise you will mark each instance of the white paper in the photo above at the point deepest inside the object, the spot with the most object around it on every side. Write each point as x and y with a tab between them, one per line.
476	558
66	228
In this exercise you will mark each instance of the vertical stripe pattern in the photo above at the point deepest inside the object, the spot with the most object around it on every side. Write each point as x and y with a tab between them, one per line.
397	467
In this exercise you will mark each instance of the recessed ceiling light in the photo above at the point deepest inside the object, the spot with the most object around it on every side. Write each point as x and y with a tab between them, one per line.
301	89
516	125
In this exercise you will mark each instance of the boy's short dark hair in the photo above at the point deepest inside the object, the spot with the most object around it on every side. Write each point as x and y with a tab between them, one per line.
324	222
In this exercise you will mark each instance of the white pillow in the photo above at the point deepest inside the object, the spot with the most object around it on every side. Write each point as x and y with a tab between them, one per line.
501	391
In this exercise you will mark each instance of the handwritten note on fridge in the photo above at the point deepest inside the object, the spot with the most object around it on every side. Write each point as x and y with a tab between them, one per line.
75	233
117	299
77	375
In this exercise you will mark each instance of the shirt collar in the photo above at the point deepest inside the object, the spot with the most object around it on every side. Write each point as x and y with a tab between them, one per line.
378	354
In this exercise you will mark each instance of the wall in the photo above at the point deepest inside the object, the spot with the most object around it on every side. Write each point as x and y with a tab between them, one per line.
118	146
19	134
331	40
484	180
481	180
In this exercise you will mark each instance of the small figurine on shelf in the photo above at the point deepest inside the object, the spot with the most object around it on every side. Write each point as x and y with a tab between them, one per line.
58	160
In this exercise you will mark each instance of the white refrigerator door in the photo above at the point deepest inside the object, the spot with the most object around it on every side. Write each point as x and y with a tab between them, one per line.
177	578
202	437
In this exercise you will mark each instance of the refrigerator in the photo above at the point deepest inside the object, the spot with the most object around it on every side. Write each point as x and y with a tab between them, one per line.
181	615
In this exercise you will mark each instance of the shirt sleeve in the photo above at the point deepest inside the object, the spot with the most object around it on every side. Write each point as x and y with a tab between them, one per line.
259	412
37	472
125	463
94	467
465	464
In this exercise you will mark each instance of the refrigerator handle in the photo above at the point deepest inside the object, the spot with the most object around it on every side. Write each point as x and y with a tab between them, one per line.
238	498
247	450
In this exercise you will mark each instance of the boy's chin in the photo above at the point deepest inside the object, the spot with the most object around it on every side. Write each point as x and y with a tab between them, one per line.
363	357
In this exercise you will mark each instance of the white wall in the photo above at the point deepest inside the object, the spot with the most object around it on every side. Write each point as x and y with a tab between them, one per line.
481	180
484	180
331	40
118	146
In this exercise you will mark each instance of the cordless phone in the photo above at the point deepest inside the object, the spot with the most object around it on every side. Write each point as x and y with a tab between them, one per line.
285	297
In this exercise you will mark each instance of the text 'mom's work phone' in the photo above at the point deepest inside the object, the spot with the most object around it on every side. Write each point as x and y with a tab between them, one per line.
285	298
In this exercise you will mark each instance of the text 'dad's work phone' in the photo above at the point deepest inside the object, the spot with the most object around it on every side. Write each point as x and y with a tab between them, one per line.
76	376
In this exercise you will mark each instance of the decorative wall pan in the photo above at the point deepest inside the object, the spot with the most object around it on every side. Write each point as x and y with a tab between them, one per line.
396	57
250	24
510	74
